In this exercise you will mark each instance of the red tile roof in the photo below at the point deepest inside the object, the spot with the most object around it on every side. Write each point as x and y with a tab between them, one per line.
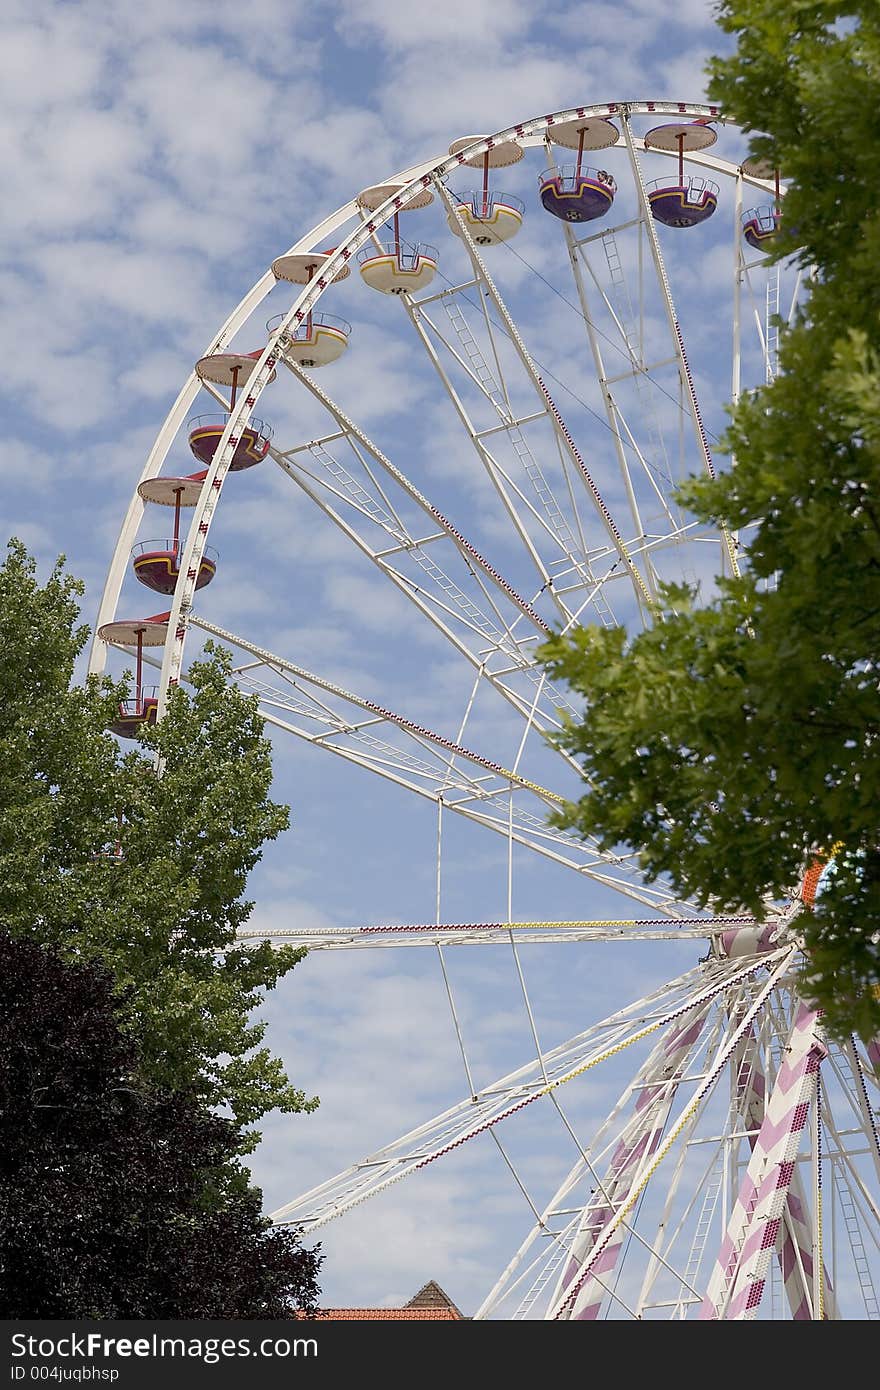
391	1314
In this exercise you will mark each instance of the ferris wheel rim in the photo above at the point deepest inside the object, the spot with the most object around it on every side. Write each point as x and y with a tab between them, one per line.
530	132
402	188
408	184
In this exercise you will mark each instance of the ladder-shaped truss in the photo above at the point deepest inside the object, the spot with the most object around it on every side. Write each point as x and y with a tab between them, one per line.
435	767
511	1094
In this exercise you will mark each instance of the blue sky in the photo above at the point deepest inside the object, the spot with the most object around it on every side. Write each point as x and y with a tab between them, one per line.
159	158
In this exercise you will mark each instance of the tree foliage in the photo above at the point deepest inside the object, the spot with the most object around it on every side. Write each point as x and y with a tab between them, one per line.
105	859
738	737
113	1200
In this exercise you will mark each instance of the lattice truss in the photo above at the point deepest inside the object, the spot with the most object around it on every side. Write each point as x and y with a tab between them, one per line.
435	767
578	554
703	1186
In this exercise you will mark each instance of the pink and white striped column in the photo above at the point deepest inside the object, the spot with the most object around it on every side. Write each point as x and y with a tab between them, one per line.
661	1075
737	1283
795	1246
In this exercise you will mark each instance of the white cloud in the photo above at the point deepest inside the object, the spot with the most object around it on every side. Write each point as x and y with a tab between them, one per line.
470	22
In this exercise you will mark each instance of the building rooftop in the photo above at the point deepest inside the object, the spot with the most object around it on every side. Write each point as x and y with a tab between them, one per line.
430	1304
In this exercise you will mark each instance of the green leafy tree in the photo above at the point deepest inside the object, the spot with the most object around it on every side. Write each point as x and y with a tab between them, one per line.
737	738
103	858
113	1202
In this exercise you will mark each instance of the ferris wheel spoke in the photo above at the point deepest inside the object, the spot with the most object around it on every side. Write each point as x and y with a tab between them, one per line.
328	719
394	935
860	1216
484	619
563	436
729	549
469	551
657	1086
568	1301
864	1128
437	780
567	1240
641	451
430	765
445	593
335	481
619	1147
514	1092
845	1062
628	451
472	802
570	556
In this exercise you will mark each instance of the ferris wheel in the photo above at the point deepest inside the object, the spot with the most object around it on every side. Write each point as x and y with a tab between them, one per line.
578	295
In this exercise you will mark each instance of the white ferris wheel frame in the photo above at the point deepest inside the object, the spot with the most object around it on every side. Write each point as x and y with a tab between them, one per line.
459	779
414	181
511	652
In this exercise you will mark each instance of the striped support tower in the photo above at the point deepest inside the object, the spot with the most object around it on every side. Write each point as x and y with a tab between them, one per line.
737	1283
662	1072
794	1249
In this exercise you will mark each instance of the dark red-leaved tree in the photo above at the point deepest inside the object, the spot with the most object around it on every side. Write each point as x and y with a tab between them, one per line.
115	1199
